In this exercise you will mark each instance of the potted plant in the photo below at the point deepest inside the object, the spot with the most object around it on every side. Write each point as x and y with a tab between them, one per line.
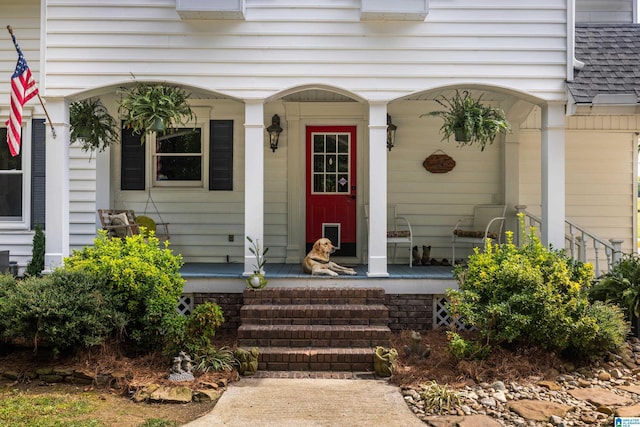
91	125
154	108
470	121
257	280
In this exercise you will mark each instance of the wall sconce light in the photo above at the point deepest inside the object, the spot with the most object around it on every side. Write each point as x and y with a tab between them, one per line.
391	133
274	132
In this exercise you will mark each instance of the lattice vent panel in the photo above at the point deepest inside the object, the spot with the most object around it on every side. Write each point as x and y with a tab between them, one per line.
185	304
441	315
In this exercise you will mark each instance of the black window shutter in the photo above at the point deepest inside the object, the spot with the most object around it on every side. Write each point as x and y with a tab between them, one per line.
132	169
38	173
221	155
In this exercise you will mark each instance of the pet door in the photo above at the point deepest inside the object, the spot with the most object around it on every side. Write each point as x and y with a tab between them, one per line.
332	232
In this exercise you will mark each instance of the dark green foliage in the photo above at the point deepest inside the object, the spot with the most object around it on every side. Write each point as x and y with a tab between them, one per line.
144	280
196	335
36	265
462	349
621	286
531	295
203	322
91	125
62	311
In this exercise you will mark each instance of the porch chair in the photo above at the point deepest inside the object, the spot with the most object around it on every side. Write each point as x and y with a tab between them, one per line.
487	221
123	222
398	231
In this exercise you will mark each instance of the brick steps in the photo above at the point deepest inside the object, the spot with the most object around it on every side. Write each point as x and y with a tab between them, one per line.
316	359
314	329
317	314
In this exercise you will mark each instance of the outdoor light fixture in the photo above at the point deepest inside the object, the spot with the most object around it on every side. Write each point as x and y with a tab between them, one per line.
274	132
391	133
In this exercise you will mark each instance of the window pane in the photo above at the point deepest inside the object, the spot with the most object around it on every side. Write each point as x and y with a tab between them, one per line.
331	163
318	143
343	183
185	140
343	143
318	183
183	168
10	195
318	163
331	184
343	163
331	143
8	162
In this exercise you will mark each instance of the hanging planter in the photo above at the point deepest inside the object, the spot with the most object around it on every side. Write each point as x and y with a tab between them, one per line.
470	121
91	125
156	108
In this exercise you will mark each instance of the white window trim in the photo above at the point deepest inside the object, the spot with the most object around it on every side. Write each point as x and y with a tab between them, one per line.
204	177
25	148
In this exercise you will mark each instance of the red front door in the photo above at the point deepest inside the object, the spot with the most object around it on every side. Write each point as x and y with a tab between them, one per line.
331	186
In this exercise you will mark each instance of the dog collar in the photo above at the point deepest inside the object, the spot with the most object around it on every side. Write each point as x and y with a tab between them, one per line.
321	261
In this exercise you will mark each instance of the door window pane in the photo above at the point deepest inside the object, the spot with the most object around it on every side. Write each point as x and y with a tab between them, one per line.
331	163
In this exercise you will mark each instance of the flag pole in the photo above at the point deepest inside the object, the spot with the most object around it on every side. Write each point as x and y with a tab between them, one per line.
53	131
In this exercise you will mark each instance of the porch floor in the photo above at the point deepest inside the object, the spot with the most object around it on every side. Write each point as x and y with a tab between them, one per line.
213	277
213	270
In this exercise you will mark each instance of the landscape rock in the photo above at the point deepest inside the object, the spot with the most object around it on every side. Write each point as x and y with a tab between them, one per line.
164	394
538	410
600	396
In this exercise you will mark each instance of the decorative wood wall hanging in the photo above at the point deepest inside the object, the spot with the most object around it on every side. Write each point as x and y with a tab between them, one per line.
439	162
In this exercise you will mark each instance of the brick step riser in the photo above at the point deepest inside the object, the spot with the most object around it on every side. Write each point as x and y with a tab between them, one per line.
313	301
312	321
295	312
377	333
316	360
338	296
306	343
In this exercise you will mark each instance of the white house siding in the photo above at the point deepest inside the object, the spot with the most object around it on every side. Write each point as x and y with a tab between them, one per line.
24	17
434	202
600	174
286	44
604	10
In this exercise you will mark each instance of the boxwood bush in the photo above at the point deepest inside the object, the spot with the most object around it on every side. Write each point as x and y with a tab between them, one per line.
144	280
531	295
62	311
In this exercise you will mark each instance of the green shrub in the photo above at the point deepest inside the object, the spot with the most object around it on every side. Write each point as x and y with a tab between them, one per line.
462	349
62	311
621	285
195	337
530	295
36	265
144	280
602	327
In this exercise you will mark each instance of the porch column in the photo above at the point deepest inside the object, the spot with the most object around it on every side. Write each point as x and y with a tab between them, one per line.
377	190
553	175
57	185
512	175
253	179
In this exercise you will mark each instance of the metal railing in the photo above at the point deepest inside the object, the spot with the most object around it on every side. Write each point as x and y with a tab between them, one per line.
580	244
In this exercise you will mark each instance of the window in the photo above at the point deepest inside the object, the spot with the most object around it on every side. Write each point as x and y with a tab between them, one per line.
178	157
11	182
185	158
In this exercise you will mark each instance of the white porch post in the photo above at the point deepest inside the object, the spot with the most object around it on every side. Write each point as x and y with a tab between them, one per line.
512	175
57	185
253	179
377	190
553	175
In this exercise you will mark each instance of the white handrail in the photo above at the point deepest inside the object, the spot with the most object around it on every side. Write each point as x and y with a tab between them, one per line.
580	243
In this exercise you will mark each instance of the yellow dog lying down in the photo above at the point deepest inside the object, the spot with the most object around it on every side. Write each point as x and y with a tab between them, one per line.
317	260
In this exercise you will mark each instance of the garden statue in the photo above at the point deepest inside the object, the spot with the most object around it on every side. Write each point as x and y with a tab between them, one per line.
247	361
417	347
384	361
181	368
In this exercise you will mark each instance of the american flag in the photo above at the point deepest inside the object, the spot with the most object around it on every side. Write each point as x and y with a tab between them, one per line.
23	88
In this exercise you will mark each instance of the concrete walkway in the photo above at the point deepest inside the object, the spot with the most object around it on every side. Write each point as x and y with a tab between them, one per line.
285	402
